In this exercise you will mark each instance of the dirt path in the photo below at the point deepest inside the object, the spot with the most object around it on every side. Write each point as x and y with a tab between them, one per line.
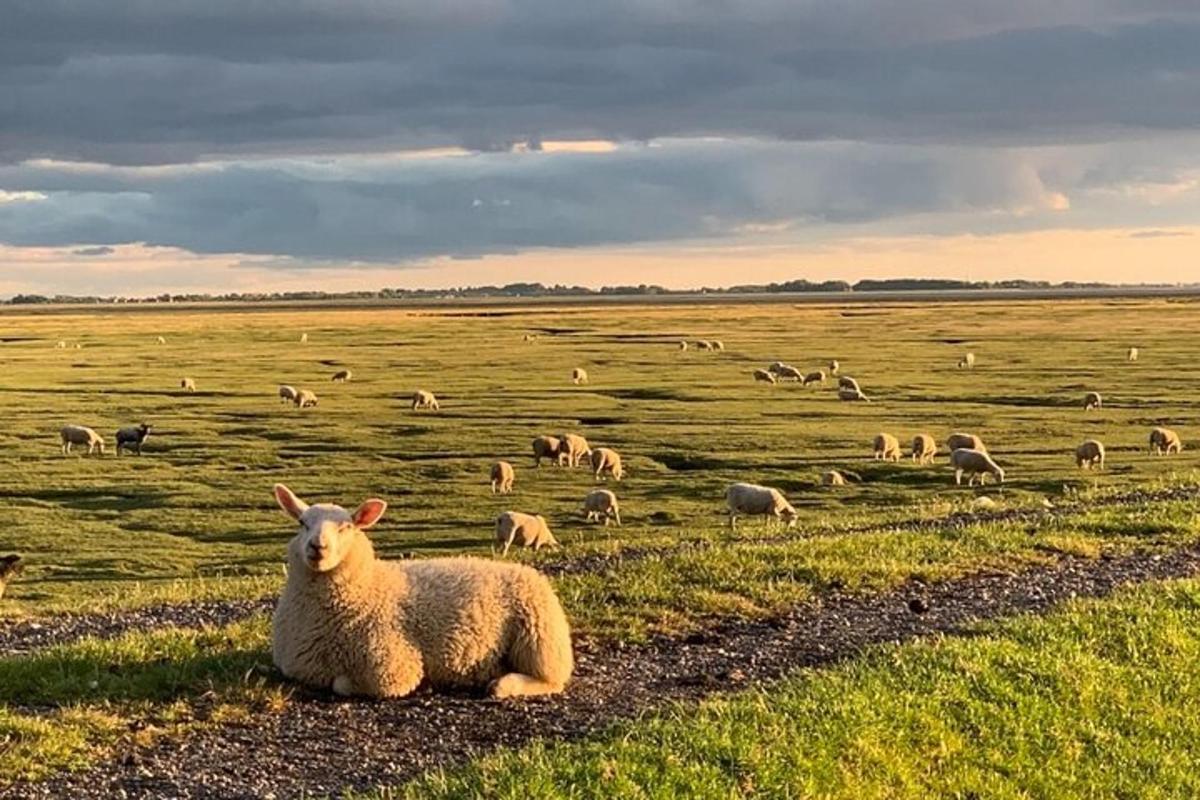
318	745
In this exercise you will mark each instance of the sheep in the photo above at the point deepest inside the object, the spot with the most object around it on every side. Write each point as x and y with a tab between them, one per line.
967	361
132	438
424	399
1089	454
846	382
79	345
1092	400
683	346
579	375
964	441
81	434
1132	355
607	460
763	376
1165	441
602	504
817	376
718	344
523	530
976	464
503	476
834	366
161	340
287	394
530	337
304	338
924	448
547	447
850	395
61	345
187	384
574	449
886	447
305	398
361	626
775	366
342	375
752	500
704	345
789	373
833	478
10	566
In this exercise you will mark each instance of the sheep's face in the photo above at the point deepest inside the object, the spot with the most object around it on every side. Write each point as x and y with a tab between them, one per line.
327	532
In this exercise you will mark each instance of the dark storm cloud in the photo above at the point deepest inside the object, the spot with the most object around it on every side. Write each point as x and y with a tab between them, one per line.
130	81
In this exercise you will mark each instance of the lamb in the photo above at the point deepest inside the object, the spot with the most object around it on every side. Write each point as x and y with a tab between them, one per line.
10	567
887	447
1165	441
1132	355
351	622
547	447
424	399
1092	400
763	376
1089	454
964	441
833	478
753	500
602	504
132	438
574	449
834	366
924	448
817	376
287	394
305	398
607	460
579	375
975	464
342	375
789	373
188	384
523	530
967	361
81	434
503	476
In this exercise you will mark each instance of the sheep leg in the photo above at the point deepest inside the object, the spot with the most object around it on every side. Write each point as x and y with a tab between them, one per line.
958	473
516	684
493	487
617	516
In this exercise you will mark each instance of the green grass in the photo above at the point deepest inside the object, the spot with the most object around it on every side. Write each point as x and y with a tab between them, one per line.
1100	699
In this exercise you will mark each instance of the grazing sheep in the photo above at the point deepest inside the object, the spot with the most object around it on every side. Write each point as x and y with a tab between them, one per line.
529	337
975	464
775	366
351	622
789	373
10	567
1132	355
341	376
305	398
132	438
817	376
81	434
287	394
846	382
967	361
574	449
750	499
1165	441
964	441
1092	400
763	376
924	448
718	344
850	395
503	476
683	347
834	366
887	447
1089	454
704	345
601	504
61	345
161	340
833	478
579	375
304	338
547	447
424	399
604	460
188	384
523	530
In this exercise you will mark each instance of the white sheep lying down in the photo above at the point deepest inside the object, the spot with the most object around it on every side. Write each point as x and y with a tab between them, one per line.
81	435
749	499
975	464
358	625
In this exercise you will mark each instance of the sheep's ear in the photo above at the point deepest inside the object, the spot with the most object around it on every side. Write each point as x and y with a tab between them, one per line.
293	506
369	513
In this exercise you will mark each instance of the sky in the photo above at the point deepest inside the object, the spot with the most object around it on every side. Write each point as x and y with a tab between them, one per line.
225	145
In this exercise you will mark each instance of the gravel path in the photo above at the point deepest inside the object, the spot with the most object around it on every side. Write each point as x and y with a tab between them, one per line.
318	745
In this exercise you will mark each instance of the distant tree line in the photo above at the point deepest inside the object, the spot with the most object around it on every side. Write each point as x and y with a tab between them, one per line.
562	290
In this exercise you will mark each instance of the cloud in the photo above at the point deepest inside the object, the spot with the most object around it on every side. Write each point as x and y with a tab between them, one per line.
94	252
1158	234
136	83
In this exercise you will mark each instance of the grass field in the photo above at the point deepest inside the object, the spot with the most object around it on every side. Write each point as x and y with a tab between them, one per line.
194	518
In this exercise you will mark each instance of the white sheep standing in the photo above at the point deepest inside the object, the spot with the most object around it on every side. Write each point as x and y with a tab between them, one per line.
1132	354
607	460
503	476
1092	400
188	384
749	499
573	448
351	622
763	376
424	399
683	346
975	464
817	376
786	372
81	435
833	478
305	398
967	361
161	340
718	344
523	530
579	376
304	338
1165	441
924	448
1090	454
287	394
61	345
886	447
964	441
602	504
834	366
547	447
